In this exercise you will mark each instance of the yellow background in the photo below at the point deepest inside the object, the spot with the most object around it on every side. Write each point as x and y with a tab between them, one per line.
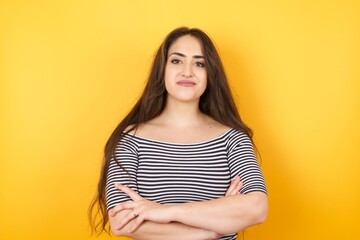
70	70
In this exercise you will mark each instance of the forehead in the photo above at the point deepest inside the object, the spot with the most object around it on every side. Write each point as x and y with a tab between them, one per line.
187	45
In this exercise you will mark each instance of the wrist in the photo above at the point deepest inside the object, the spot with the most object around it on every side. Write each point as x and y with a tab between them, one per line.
180	212
174	212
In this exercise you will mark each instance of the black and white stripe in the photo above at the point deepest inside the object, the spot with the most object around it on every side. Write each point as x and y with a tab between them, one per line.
178	173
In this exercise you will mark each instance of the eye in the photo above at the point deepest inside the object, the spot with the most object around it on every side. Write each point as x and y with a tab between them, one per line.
200	64
175	61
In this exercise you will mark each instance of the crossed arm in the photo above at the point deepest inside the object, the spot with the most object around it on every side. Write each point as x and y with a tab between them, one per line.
144	219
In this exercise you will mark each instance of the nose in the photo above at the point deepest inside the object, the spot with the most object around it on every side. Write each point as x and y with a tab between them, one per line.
187	70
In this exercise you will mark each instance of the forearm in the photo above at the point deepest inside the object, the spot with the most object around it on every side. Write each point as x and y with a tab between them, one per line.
160	231
224	215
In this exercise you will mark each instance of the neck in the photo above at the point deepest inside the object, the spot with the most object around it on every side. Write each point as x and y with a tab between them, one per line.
182	114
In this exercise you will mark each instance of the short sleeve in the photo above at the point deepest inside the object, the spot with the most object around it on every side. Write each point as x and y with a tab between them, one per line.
243	163
123	170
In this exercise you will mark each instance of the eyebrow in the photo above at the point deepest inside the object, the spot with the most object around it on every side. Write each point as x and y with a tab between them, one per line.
183	55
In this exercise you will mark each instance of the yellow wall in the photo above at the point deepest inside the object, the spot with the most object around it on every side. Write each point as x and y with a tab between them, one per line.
69	71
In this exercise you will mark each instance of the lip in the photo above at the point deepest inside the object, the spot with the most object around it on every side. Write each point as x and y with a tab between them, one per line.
186	83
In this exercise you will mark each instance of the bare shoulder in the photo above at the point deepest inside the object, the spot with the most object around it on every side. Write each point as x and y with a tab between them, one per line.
130	128
143	129
216	127
133	130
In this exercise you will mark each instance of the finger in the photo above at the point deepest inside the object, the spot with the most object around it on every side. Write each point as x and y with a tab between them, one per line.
126	219
132	194
238	187
136	223
233	185
233	192
120	207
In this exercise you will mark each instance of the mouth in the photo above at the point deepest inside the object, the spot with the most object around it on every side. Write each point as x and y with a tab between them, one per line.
186	83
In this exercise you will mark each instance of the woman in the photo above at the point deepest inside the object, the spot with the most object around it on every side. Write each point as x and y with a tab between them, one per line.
181	164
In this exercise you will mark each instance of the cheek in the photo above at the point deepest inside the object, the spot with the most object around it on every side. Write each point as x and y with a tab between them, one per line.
204	85
166	76
204	79
169	73
167	81
203	74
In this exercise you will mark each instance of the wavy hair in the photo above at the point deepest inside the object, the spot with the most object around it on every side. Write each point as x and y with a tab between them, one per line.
217	102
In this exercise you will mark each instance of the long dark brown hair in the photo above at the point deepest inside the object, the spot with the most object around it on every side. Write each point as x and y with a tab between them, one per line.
216	102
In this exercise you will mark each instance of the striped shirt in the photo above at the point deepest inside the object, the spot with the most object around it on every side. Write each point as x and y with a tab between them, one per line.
179	173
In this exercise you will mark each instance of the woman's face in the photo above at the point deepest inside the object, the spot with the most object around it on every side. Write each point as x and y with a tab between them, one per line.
185	70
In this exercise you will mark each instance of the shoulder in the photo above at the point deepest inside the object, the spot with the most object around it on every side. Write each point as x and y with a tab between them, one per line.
236	137
133	130
127	142
142	130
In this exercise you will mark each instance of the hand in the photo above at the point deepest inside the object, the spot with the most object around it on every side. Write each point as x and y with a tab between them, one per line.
141	210
235	187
